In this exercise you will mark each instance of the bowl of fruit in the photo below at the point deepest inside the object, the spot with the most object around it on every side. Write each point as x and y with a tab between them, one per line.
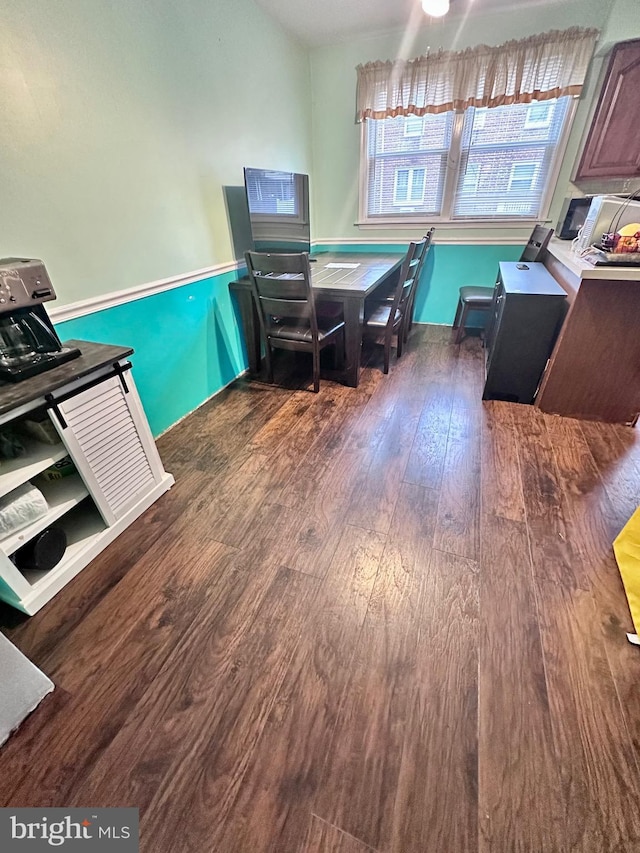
623	246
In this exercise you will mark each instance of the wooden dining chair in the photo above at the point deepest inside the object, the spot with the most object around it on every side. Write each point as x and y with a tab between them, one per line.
281	286
388	318
428	242
423	250
478	298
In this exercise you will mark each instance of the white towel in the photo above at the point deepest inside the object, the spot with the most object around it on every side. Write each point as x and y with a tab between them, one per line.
21	507
22	687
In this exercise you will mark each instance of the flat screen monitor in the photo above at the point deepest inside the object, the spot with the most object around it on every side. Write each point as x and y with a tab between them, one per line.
278	205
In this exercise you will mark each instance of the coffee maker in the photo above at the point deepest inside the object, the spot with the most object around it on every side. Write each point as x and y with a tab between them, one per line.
28	341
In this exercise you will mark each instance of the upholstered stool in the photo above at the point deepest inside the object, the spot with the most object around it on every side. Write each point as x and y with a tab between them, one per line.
471	299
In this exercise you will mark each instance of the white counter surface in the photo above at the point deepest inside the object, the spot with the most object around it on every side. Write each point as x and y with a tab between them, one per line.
561	250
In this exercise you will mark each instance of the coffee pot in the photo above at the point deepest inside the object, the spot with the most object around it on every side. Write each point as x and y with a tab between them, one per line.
22	337
28	341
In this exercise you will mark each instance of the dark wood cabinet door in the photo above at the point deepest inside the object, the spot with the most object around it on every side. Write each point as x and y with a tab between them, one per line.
612	149
527	311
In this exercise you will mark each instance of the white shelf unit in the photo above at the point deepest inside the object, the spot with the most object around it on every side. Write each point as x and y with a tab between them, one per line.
61	496
103	428
82	526
38	456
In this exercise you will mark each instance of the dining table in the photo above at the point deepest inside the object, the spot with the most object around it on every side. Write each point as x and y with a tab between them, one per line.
345	278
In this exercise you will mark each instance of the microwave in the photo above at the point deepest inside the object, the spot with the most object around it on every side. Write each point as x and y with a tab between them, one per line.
572	217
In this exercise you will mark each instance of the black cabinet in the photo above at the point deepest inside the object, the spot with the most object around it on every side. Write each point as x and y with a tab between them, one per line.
526	315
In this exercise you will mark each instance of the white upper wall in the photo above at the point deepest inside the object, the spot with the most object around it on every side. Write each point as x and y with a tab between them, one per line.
122	121
336	137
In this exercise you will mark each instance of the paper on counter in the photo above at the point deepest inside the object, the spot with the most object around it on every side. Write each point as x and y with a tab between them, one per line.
341	266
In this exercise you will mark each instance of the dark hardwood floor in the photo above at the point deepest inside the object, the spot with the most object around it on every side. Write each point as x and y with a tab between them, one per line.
376	619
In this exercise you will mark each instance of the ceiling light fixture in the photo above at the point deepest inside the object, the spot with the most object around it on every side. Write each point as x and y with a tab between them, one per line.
435	8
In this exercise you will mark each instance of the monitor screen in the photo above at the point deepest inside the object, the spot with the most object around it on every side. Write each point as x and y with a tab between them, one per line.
278	205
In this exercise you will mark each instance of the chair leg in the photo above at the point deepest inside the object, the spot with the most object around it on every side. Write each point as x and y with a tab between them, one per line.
338	352
268	362
400	339
316	370
412	305
407	322
463	318
387	351
456	321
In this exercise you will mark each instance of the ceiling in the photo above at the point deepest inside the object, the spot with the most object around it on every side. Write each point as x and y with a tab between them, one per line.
324	21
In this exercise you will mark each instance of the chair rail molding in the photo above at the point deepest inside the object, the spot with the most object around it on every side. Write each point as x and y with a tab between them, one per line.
93	304
442	239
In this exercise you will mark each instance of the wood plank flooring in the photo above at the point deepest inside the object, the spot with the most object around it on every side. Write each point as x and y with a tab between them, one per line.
374	620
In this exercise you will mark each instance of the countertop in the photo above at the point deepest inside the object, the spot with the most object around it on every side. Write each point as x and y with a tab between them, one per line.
14	395
561	251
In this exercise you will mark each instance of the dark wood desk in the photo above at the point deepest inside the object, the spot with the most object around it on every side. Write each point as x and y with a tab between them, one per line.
594	370
349	287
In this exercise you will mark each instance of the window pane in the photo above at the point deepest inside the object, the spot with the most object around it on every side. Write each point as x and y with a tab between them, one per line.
405	173
413	125
417	184
539	115
402	185
509	155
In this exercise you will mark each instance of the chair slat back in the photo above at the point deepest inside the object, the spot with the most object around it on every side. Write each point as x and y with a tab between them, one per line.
423	251
281	287
409	273
536	244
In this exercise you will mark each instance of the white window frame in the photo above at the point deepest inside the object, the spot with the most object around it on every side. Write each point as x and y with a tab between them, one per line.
448	197
409	200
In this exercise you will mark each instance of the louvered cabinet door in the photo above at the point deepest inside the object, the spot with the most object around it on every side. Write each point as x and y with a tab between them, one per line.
106	432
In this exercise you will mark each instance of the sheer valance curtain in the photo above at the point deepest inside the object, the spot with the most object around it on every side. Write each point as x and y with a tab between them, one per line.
549	65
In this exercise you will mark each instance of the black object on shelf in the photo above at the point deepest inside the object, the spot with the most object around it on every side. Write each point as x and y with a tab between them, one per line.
526	315
44	551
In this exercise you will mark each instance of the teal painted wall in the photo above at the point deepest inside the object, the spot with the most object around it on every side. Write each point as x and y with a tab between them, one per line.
447	268
187	345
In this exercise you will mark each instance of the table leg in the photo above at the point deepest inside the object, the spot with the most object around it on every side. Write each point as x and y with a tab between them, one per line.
353	320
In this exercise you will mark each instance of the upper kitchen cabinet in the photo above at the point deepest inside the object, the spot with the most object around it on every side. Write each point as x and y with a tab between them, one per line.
612	149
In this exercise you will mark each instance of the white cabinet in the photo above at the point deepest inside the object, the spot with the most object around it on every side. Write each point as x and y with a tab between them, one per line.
103	428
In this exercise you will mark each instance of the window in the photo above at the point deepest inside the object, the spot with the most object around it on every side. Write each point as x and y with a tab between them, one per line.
480	165
480	118
539	115
522	177
413	126
390	154
471	178
409	186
